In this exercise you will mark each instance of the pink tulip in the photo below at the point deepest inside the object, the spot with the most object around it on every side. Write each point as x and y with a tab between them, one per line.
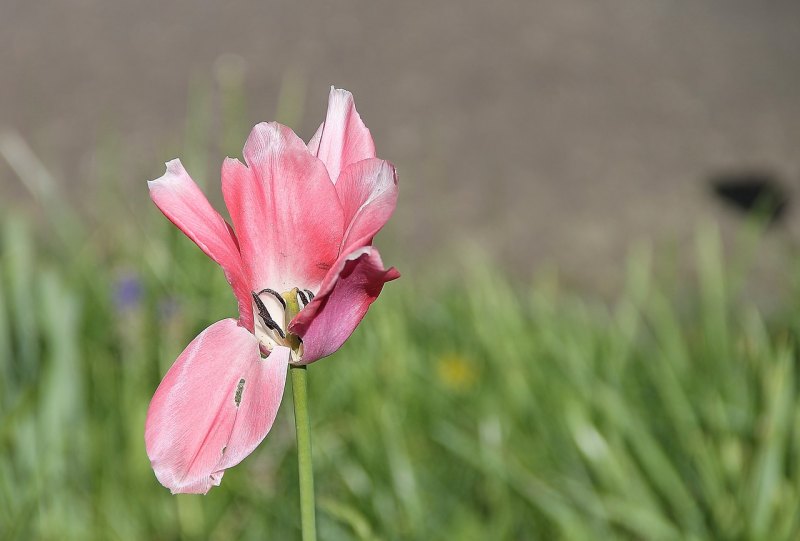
300	260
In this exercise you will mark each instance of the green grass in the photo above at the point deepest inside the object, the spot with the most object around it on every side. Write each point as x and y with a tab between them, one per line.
488	411
474	409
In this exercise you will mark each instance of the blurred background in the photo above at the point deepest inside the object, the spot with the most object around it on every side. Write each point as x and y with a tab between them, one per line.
595	333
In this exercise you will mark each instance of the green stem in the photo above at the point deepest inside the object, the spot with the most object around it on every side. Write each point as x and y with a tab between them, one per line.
301	424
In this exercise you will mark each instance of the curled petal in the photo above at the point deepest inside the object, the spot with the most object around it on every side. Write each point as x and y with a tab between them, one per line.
368	193
348	290
179	198
343	138
285	210
213	407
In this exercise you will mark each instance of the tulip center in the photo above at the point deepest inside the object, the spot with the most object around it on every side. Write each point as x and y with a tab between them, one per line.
273	312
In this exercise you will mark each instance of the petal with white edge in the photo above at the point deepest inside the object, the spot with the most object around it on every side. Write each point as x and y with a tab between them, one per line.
179	198
343	138
368	193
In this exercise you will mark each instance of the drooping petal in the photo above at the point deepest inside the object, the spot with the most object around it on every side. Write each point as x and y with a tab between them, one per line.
341	303
213	407
368	193
260	398
179	198
285	210
343	138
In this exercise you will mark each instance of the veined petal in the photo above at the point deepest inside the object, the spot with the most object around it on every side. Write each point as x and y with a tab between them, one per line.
368	193
179	198
341	303
285	210
213	407
343	138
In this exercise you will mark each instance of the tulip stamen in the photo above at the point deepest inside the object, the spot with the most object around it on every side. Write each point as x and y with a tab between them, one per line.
274	294
303	297
264	314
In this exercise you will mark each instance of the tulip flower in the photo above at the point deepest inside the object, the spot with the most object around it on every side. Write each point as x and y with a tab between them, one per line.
300	261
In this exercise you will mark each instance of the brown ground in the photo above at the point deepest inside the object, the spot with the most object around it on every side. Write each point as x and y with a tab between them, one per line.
550	129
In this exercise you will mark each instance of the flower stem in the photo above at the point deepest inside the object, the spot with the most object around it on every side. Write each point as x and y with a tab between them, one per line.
301	424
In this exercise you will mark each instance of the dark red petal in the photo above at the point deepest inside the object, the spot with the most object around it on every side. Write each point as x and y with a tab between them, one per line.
341	303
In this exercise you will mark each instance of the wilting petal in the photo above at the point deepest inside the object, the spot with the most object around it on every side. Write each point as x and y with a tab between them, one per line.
285	210
343	138
341	303
179	198
214	406
368	194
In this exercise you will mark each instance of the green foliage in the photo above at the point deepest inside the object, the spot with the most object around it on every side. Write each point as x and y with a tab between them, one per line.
482	411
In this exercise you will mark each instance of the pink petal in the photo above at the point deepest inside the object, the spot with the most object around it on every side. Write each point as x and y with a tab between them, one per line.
313	143
287	215
368	193
179	198
343	138
214	406
341	303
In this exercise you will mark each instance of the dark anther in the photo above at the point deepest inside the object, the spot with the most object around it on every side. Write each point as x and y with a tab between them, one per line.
264	314
302	296
310	295
274	294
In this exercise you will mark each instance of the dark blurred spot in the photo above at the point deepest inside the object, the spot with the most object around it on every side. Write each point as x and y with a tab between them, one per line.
752	192
127	292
